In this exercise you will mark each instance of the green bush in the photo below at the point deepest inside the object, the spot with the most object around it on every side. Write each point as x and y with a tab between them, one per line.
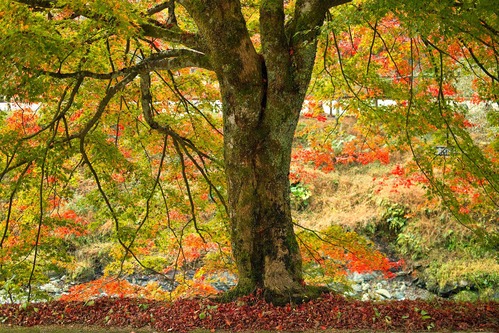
300	196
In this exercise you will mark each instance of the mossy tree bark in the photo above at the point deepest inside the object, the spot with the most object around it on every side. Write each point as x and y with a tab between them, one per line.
262	97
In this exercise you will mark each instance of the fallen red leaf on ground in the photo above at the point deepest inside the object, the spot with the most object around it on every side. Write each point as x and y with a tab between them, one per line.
253	313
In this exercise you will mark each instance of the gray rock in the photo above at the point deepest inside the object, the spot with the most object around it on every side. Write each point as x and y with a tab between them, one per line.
357	287
356	277
51	288
370	276
384	293
399	296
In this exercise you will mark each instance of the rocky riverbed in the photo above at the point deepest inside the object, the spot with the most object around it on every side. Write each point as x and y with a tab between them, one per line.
369	286
375	287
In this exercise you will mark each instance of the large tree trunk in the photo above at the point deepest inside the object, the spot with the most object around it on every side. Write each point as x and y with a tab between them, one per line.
259	126
257	160
262	97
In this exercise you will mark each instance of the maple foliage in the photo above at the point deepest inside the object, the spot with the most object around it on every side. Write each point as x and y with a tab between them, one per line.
253	313
326	144
417	84
332	253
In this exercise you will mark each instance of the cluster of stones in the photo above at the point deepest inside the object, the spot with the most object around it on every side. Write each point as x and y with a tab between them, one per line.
375	287
366	287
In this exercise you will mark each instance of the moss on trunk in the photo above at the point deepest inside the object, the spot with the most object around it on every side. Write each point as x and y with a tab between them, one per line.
262	97
257	158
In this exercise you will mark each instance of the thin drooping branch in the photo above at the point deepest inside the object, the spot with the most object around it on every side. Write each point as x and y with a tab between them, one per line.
375	32
204	172
147	111
103	194
180	143
480	64
344	74
489	176
188	188
146	215
40	210
187	103
61	112
426	173
454	58
387	48
103	104
39	226
11	201
489	27
9	160
155	185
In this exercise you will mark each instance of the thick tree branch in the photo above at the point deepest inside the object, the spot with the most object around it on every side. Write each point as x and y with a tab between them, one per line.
39	3
309	14
170	5
171	32
276	49
175	59
165	60
159	7
222	25
302	32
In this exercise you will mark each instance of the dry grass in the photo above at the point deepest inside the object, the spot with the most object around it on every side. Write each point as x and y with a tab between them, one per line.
356	197
353	197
